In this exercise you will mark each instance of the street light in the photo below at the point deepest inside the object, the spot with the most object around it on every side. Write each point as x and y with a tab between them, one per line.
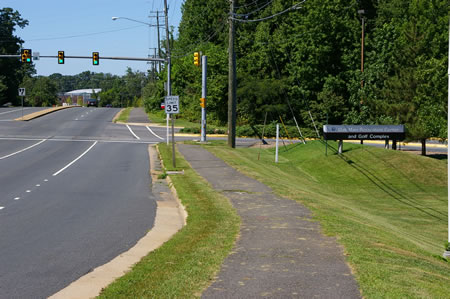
133	20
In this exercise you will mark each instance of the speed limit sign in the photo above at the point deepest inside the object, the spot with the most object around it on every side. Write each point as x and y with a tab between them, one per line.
172	104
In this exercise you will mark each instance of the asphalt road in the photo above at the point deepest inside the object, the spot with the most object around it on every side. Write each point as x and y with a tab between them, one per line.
74	193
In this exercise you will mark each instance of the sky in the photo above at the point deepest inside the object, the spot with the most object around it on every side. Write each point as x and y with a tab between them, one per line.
81	27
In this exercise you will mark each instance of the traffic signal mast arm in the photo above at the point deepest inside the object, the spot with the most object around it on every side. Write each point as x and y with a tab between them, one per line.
100	57
87	57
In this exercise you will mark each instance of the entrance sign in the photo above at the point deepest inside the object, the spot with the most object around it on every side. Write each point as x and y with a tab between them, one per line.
364	132
172	104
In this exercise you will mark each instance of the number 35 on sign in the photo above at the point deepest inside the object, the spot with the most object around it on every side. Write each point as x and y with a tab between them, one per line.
172	104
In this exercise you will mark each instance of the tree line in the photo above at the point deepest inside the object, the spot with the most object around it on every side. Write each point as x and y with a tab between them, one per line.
306	62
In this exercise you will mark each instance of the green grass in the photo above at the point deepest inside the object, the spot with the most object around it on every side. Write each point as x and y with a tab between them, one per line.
387	208
124	115
186	264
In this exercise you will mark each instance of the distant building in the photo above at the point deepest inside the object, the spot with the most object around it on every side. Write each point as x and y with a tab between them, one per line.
84	94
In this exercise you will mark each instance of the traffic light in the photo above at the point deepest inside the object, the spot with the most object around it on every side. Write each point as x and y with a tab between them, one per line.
202	102
60	57
25	54
196	58
95	58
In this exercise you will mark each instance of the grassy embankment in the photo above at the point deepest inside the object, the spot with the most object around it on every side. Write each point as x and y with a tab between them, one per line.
186	264
388	209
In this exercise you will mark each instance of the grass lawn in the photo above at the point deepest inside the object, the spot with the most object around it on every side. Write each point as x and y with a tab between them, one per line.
387	208
186	264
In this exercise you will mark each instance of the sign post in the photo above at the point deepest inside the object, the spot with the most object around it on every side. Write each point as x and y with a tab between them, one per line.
22	95
172	106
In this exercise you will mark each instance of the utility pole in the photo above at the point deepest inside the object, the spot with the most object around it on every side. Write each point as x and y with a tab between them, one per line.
231	80
169	86
159	38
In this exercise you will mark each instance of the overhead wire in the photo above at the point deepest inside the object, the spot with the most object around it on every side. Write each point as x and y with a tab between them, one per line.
296	6
255	11
82	35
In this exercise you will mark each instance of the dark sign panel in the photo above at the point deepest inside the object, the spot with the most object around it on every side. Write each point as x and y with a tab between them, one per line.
364	132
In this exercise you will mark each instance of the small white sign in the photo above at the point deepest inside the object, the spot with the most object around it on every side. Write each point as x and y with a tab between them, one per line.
21	92
172	104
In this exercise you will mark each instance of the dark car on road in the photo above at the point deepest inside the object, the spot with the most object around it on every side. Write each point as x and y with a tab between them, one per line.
92	102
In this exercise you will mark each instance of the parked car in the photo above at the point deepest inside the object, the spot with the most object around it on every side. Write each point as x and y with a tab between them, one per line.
92	102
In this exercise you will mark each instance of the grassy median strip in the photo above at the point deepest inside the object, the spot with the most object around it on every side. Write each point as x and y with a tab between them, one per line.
186	264
387	208
124	115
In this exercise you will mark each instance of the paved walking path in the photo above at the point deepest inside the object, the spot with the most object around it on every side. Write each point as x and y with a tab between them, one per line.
138	115
280	252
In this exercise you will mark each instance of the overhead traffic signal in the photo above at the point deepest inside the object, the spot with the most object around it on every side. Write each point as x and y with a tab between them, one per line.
60	57
95	58
196	58
25	55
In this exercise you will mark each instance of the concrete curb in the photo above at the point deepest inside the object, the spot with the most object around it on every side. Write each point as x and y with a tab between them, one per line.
114	120
43	112
170	218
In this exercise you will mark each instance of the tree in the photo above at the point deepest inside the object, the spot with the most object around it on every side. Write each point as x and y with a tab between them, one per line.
11	70
41	91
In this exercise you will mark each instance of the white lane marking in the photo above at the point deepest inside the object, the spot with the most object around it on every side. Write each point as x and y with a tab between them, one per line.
28	191
22	150
78	158
14	111
82	140
38	185
136	136
1	208
45	180
148	128
16	198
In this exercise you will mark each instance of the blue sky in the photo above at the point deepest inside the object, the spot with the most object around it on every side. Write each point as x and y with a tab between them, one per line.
84	26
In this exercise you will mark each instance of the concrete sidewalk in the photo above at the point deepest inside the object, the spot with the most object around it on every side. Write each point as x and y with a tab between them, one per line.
280	252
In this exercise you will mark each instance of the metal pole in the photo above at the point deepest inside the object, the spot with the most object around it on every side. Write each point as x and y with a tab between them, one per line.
159	40
204	91
448	133
167	127
231	81
22	107
276	143
169	91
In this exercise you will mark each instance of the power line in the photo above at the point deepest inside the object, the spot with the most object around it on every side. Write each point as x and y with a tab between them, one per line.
82	35
296	6
255	11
